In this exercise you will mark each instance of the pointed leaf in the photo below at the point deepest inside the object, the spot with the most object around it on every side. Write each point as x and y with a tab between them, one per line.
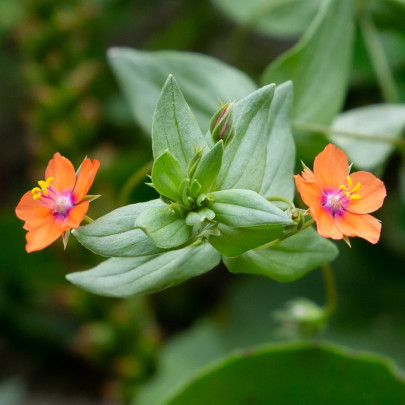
123	277
319	64
288	260
164	226
208	167
380	120
115	234
167	176
246	209
174	126
280	156
203	79
244	160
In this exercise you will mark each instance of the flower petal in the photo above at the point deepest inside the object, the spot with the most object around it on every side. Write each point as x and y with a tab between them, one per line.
372	193
76	215
331	167
43	235
63	173
325	223
88	171
311	192
365	226
33	212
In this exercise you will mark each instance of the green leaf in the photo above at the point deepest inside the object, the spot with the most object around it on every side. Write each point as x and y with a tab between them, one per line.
233	242
164	226
115	234
198	217
203	80
247	220
244	160
288	260
301	373
123	277
380	120
208	167
319	64
280	158
246	209
167	176
174	126
273	17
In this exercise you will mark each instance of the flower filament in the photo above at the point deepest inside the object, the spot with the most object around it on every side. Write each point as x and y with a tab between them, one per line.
38	192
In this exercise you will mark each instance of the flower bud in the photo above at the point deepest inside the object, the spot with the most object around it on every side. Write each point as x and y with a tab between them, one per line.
221	125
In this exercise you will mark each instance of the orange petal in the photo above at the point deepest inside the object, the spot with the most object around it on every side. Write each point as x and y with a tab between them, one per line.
33	212
88	171
76	216
362	225
43	235
63	173
372	193
331	167
325	223
311	192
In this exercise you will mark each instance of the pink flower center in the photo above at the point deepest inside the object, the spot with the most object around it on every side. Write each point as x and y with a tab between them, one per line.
335	201
63	204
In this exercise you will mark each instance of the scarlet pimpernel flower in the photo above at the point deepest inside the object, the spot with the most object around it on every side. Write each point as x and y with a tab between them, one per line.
59	204
338	201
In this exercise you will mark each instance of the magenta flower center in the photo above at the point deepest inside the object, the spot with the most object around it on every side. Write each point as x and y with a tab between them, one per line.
63	203
335	201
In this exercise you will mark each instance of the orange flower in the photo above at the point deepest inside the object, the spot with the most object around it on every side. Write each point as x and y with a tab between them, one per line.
338	201
58	204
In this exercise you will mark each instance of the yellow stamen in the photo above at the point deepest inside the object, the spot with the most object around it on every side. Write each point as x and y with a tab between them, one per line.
355	197
357	188
347	194
37	192
343	187
349	181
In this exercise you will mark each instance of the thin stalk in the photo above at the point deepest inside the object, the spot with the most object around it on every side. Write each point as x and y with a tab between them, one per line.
282	199
88	219
134	180
330	287
287	235
347	134
378	58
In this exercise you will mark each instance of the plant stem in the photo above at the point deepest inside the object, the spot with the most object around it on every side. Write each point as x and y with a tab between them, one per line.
330	287
134	180
287	235
347	134
88	219
282	199
378	58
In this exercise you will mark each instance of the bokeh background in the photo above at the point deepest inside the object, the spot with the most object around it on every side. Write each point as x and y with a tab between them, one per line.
62	345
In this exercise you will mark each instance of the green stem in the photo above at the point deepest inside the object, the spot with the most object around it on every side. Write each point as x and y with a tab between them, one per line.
378	58
287	235
308	127
330	286
134	180
88	219
282	199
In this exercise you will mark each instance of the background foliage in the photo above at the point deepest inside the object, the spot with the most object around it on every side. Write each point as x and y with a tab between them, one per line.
59	94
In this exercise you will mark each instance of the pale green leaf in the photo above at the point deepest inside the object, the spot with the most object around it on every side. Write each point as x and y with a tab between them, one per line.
174	127
287	261
115	234
244	160
167	176
283	18
319	64
384	121
123	277
164	226
203	79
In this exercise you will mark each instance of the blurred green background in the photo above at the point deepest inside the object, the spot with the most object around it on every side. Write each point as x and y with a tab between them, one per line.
57	93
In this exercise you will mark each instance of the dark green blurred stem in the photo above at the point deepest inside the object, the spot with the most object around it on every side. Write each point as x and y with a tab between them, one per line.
378	58
134	181
309	127
330	287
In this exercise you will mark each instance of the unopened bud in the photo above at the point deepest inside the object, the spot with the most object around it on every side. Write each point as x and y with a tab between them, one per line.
221	125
